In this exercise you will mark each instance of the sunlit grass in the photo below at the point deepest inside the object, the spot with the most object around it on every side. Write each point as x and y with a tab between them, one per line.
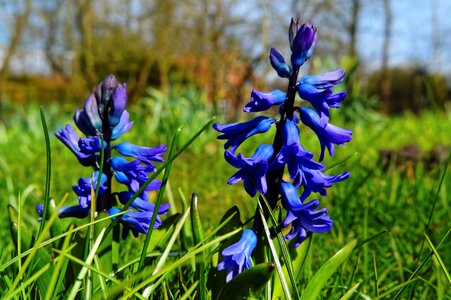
393	203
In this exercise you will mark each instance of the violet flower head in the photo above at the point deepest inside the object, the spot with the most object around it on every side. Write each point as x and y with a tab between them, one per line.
328	135
252	170
303	38
103	120
237	133
302	217
265	170
237	257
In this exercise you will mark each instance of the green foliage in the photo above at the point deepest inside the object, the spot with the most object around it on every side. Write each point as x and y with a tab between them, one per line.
390	211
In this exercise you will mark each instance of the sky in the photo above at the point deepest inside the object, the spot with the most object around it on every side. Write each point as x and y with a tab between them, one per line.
415	40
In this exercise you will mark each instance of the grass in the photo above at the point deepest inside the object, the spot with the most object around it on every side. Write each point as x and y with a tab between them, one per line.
402	210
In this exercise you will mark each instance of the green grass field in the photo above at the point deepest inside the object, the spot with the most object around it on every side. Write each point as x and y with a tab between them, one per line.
397	204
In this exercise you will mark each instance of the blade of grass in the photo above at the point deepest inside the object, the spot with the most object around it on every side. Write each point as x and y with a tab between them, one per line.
83	271
181	261
47	173
440	261
35	248
167	172
417	270
286	290
197	237
168	248
51	240
349	293
320	278
53	284
283	246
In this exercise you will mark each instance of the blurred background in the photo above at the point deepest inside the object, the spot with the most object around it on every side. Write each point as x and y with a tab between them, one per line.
57	50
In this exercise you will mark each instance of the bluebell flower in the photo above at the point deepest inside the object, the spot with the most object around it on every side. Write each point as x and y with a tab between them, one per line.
328	135
252	170
144	154
141	204
318	91
237	257
293	154
75	211
84	149
279	64
123	126
261	101
302	38
136	221
264	172
303	217
315	181
85	187
133	174
237	133
102	120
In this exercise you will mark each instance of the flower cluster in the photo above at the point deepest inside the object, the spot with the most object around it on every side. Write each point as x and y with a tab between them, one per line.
263	172
103	120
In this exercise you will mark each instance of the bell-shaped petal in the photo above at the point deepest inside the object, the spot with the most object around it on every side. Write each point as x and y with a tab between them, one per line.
136	221
279	64
261	101
83	123
307	219
118	104
237	257
328	135
326	80
84	149
86	185
252	170
144	154
237	133
123	126
75	211
92	111
317	182
142	205
293	154
303	38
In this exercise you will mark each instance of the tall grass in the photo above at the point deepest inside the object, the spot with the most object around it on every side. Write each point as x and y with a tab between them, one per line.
399	214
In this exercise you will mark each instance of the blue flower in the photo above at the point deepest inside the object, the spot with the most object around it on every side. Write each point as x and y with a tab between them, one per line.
293	154
318	91
237	257
75	211
136	221
303	38
279	64
328	135
302	217
84	149
252	170
261	101
142	205
133	174
123	126
86	185
144	154
237	133
317	182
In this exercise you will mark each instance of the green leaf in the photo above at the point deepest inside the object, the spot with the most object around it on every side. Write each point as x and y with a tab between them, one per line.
196	226
48	173
318	280
249	281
